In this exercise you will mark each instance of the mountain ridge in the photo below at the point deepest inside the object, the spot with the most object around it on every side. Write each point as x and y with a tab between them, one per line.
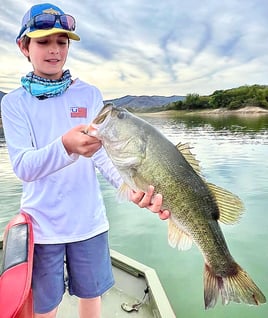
144	101
135	102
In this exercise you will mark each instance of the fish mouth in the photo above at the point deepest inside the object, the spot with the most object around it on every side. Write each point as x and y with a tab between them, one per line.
100	120
103	114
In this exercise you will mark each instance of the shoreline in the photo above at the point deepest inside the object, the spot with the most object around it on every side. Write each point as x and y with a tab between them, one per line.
245	111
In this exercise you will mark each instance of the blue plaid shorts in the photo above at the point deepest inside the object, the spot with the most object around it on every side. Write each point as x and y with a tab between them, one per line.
88	266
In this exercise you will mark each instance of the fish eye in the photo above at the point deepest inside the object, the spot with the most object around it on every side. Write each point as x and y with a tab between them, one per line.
121	114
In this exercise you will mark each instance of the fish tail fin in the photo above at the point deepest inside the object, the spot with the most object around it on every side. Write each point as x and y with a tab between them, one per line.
238	288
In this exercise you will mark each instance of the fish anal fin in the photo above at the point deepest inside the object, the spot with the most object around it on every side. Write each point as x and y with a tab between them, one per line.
230	206
237	287
178	237
185	150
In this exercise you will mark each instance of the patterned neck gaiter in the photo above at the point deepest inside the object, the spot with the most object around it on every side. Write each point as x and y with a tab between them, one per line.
44	88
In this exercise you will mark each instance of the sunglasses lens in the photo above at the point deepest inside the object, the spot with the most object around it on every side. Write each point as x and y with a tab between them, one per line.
67	22
44	21
48	21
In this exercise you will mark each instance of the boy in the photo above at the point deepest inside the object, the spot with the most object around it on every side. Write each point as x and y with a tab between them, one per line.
43	123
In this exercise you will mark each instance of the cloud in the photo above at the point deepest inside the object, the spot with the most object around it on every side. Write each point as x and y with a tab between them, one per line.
153	47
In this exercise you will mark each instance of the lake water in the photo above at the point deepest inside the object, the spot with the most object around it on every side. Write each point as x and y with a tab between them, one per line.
233	154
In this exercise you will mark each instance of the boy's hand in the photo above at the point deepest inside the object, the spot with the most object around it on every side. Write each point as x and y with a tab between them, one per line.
76	141
150	201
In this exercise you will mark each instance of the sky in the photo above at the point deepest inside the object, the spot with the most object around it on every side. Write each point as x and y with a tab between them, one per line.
153	47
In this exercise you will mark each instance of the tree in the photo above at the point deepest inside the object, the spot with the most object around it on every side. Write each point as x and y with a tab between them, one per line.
192	101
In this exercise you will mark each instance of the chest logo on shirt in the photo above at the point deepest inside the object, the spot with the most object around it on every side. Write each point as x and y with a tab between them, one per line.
80	112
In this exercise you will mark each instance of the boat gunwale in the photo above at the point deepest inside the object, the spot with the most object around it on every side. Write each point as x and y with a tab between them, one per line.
156	290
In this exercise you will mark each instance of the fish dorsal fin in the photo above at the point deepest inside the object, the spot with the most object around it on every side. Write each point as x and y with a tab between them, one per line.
230	206
178	237
185	150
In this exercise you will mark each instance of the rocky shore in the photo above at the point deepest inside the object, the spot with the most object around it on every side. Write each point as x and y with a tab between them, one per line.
248	110
245	111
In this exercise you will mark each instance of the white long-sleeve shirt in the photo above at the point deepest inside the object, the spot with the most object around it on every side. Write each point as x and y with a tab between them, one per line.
60	191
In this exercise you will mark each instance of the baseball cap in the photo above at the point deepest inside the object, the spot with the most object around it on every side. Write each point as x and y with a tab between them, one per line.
46	19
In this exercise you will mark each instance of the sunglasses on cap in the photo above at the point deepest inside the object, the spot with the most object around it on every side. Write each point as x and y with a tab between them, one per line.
48	21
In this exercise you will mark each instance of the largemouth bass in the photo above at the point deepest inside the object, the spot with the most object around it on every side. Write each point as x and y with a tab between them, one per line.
143	157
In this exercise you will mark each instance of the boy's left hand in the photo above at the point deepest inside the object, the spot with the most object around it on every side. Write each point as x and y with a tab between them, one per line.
150	201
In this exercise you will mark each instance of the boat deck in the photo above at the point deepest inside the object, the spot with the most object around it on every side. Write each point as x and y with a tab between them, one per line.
114	298
132	279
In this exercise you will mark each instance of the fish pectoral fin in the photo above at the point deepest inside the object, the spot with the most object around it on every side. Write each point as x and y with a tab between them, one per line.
185	150
134	183
140	182
124	193
230	206
178	237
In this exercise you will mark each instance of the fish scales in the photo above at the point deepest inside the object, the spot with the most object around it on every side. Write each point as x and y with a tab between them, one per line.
143	157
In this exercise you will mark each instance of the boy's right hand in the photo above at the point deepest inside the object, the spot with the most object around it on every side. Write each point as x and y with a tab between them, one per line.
76	141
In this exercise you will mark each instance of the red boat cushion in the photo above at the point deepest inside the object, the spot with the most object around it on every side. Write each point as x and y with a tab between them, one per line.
16	270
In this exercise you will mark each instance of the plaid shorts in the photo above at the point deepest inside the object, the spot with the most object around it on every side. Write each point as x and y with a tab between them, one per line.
88	266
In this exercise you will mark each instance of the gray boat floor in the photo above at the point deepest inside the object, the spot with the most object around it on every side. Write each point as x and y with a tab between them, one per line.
131	281
111	306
